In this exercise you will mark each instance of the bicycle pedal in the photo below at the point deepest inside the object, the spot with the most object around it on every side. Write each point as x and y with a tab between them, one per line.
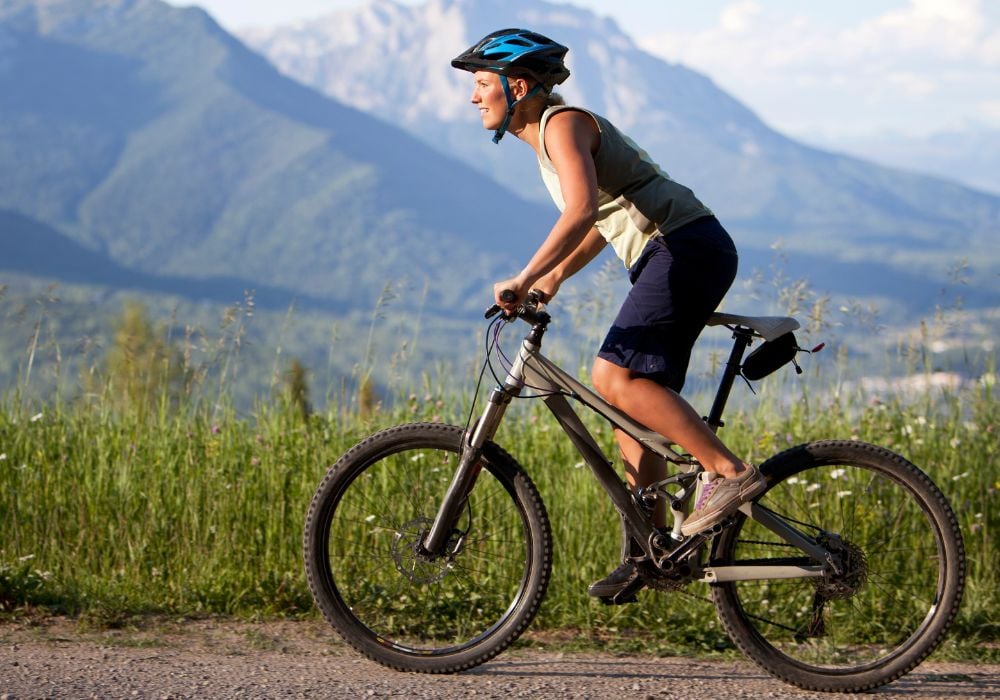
627	594
717	528
619	599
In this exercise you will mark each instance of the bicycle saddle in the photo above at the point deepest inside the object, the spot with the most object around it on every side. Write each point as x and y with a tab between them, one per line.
769	327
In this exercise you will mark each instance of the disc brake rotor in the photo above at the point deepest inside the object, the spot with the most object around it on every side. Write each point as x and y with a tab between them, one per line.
418	569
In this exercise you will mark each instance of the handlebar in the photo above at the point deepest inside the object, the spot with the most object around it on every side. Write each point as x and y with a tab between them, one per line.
528	310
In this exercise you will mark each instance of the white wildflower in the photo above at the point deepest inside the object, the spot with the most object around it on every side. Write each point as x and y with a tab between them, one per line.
955	442
844	494
959	476
812	487
837	473
37	417
370	518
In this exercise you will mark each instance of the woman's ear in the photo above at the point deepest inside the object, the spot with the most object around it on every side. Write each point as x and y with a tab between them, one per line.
518	87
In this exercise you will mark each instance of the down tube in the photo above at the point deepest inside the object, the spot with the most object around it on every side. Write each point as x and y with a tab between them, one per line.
603	471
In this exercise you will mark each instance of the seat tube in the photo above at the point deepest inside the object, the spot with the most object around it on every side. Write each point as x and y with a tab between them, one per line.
741	340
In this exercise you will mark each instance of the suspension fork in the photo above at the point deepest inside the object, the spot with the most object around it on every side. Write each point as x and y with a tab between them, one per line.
470	463
469	466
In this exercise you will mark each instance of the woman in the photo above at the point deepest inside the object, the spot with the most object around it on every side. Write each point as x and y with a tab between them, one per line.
680	260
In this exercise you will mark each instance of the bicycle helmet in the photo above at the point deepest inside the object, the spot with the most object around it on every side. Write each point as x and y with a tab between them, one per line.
516	52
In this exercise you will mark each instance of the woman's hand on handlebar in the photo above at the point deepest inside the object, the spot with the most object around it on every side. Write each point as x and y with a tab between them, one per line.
509	294
547	286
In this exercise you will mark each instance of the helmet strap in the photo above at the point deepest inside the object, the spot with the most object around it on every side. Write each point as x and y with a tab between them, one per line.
511	105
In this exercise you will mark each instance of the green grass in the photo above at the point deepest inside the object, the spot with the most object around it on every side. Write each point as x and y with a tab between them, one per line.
194	510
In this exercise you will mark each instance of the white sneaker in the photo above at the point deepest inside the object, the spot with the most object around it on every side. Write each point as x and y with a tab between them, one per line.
720	497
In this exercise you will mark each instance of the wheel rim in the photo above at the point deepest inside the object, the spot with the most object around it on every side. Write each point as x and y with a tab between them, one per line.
408	603
892	557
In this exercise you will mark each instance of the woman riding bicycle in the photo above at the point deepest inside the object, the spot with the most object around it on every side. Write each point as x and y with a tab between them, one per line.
680	260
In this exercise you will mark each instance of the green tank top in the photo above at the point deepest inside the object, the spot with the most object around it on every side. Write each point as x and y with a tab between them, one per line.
636	200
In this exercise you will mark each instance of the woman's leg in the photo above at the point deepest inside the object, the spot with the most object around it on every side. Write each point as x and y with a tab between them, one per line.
728	481
663	411
643	468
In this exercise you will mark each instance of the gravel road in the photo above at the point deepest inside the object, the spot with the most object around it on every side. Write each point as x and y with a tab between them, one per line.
53	658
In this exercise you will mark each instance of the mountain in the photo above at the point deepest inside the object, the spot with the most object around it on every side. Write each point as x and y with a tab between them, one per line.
147	152
161	147
966	154
33	249
832	212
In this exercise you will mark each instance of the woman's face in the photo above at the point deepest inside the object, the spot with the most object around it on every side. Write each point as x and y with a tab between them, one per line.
489	98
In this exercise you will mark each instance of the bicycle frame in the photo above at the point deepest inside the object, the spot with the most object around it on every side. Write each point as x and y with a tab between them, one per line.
641	539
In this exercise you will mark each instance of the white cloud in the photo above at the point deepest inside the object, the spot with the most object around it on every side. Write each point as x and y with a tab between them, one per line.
990	109
738	18
919	67
989	50
912	83
945	28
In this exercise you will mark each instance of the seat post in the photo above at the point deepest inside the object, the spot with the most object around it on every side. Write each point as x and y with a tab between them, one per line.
741	341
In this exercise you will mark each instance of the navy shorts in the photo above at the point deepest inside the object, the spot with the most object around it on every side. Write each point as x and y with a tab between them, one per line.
677	282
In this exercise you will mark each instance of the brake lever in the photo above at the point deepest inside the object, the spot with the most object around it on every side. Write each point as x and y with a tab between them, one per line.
535	299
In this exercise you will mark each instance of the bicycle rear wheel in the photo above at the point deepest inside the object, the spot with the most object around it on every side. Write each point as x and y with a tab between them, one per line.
904	569
406	611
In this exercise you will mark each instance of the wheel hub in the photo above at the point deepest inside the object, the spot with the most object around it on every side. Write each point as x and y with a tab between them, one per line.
408	556
853	564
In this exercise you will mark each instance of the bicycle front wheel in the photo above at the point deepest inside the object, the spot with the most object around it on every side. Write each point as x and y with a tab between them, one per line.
407	611
903	569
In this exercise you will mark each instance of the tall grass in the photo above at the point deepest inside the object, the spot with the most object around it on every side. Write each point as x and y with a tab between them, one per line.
186	505
195	510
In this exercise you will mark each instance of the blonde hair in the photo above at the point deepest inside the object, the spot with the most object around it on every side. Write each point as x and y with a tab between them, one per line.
551	99
554	99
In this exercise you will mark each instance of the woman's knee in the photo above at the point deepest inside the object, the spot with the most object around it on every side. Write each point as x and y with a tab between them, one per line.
609	379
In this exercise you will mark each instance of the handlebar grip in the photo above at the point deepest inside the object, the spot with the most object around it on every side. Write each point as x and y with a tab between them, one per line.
507	296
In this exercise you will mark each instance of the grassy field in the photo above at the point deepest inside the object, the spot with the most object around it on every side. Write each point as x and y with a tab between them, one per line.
109	513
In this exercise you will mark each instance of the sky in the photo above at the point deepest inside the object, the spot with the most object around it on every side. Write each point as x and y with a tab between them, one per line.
818	71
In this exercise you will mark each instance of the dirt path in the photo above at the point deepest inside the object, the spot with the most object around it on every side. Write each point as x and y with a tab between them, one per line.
54	659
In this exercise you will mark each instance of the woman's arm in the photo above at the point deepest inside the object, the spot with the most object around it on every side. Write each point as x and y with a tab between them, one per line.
590	247
570	138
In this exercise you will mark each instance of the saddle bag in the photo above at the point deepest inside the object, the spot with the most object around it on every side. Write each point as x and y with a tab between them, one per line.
770	356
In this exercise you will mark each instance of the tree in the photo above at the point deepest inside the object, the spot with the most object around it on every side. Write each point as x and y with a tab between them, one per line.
297	388
142	368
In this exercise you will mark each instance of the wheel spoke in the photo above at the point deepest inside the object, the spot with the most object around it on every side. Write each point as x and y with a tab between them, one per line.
867	507
385	591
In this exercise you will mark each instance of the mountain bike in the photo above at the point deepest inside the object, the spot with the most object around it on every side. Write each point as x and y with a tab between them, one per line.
428	547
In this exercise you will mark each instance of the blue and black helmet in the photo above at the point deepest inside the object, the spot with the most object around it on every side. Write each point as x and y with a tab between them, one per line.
514	52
